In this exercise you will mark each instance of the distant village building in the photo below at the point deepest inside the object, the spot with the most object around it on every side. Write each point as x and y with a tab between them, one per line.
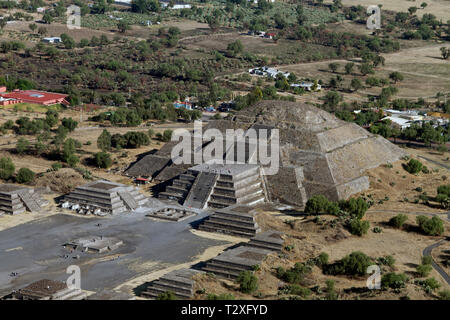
123	2
176	5
182	104
269	72
37	97
306	85
52	40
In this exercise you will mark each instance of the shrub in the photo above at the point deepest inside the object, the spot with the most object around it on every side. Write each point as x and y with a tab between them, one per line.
103	160
25	175
358	227
7	168
222	296
331	293
69	123
295	274
444	189
104	141
424	270
431	227
356	207
413	166
136	139
56	166
387	261
427	260
429	285
167	135
393	280
322	259
168	295
354	264
248	282
398	220
72	160
299	290
317	204
444	295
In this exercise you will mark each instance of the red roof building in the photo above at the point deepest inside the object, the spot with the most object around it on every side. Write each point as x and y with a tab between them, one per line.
37	97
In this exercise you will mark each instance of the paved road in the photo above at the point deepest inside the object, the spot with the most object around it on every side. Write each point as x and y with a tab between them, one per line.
436	163
427	252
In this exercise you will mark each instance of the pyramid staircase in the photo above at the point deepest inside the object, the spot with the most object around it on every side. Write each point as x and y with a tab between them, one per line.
244	190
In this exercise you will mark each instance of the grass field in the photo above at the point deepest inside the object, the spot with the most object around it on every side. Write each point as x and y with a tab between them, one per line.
31	107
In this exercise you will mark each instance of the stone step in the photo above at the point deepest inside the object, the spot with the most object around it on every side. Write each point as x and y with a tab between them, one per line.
29	202
231	232
201	190
177	190
169	287
129	201
153	293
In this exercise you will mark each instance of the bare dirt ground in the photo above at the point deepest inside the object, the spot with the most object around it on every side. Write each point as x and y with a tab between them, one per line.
425	73
440	8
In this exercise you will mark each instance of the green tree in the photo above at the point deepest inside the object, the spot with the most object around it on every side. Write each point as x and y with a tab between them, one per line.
398	221
25	175
22	146
349	67
358	227
393	280
103	160
7	168
333	67
430	226
396	76
104	141
356	84
69	124
235	48
316	204
413	166
248	282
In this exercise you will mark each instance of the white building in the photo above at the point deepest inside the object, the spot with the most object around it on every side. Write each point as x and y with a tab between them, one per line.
306	85
123	2
177	5
269	72
52	40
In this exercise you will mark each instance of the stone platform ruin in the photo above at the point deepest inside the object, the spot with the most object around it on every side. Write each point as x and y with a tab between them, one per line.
96	244
217	186
47	290
171	214
179	282
270	240
319	154
247	256
103	197
16	199
231	263
235	220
